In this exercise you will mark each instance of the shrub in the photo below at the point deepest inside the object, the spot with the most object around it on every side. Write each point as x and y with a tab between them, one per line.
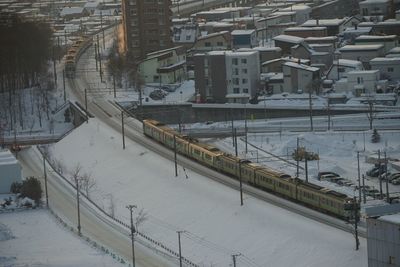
16	187
31	188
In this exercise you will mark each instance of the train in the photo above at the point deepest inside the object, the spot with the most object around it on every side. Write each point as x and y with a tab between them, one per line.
308	194
74	53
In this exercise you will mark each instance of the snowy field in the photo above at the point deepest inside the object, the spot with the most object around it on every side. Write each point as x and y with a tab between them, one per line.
215	225
36	238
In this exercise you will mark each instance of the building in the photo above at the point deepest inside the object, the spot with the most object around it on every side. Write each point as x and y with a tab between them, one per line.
363	53
305	32
286	42
300	78
213	41
389	41
302	12
333	26
244	39
164	66
361	82
147	26
243	76
389	67
69	13
10	171
341	67
377	10
383	236
210	76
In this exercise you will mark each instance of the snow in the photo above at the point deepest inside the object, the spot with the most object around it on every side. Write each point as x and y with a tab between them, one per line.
394	218
288	38
360	47
36	238
215	225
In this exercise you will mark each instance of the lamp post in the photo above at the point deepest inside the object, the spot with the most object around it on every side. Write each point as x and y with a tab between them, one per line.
133	231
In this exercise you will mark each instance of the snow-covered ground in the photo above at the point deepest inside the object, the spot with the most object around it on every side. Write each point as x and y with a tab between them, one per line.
36	238
215	225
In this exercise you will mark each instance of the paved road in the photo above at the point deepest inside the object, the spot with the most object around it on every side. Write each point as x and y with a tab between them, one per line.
62	200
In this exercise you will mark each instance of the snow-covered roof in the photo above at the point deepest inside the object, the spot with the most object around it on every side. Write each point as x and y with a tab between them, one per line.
7	158
71	10
393	218
323	22
349	48
349	63
290	29
212	35
386	60
288	39
241	53
296	8
91	4
242	32
359	72
376	37
395	50
301	66
374	1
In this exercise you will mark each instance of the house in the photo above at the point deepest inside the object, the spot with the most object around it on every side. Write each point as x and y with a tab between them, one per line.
322	40
275	65
361	82
300	78
341	67
243	76
91	6
395	52
333	26
214	27
272	83
213	41
10	171
389	67
321	58
302	12
69	13
351	33
388	41
266	53
363	53
210	76
285	42
304	32
334	9
376	10
164	66
244	39
185	34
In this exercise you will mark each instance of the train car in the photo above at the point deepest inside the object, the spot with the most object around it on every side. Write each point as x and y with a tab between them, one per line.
205	154
267	178
229	164
152	128
74	53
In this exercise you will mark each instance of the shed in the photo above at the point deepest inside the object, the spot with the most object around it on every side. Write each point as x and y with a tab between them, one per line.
10	171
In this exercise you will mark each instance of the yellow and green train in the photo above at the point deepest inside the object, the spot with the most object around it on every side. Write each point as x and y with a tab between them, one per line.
308	194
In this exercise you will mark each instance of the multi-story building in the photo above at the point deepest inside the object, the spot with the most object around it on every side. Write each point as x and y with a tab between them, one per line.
147	26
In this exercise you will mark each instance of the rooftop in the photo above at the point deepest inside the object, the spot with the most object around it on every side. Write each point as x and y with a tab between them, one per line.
288	39
323	22
301	66
348	48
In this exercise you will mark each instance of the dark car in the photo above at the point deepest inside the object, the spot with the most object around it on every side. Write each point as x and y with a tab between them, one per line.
157	94
327	174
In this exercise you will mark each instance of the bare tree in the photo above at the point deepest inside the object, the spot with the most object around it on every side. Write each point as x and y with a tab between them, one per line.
140	218
371	113
87	183
75	175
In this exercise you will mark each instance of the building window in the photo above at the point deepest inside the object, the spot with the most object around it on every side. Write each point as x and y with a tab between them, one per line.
390	70
220	44
244	71
236	71
360	80
207	44
392	260
234	61
244	81
244	61
236	90
187	37
235	81
245	90
341	70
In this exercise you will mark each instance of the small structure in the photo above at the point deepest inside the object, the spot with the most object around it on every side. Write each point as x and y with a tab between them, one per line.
375	9
363	53
333	26
388	66
285	42
213	41
244	39
383	235
10	171
300	78
341	67
389	41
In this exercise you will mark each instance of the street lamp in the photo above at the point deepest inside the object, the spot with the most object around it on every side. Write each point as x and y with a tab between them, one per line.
133	231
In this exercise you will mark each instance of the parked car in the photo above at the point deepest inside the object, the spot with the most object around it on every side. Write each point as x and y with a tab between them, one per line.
326	174
393	176
372	192
396	181
374	172
158	94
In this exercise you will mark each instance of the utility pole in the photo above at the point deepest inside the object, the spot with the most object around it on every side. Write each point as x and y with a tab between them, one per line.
99	57
45	179
311	115
297	159
245	127
54	68
306	166
101	27
233	134
234	259
358	171
236	148
77	201
95	55
123	129
133	231
329	115
65	97
180	248
363	184
387	182
115	93
380	175
175	160
240	182
86	109
356	222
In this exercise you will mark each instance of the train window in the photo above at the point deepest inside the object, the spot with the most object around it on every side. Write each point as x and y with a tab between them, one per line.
208	157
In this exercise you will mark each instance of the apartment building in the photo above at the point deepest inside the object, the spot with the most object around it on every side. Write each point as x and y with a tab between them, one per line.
147	26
